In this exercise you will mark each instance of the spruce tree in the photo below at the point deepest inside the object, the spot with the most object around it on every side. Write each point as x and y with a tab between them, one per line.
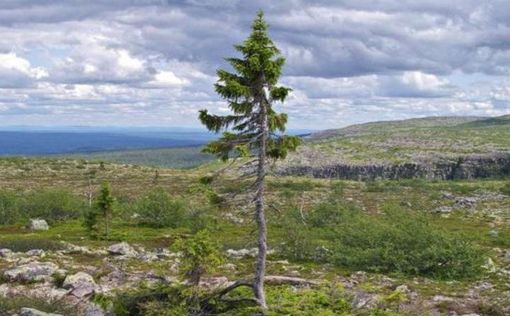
105	202
98	219
253	128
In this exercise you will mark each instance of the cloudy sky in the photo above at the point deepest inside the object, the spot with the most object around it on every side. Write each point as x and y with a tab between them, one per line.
152	63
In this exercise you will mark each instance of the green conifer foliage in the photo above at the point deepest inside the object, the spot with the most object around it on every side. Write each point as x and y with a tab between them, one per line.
253	128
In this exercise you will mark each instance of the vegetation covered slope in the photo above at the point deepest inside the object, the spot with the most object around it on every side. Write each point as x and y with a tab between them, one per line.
181	157
419	141
384	247
428	143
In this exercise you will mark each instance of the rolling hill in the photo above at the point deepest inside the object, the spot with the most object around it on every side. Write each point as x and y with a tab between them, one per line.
434	147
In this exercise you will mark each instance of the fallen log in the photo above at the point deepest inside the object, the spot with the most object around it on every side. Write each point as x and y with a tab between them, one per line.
281	280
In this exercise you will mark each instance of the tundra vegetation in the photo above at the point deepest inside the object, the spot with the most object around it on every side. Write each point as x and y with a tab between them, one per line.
443	240
186	242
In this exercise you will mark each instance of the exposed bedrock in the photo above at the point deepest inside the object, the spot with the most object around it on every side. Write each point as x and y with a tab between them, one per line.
468	167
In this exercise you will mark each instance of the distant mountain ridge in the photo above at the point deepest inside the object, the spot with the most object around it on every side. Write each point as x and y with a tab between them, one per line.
60	142
111	142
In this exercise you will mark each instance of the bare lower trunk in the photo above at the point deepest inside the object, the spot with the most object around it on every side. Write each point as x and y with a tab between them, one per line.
89	193
260	218
106	230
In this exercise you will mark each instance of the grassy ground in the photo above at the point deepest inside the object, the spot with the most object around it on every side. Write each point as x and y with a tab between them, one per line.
484	222
491	210
182	158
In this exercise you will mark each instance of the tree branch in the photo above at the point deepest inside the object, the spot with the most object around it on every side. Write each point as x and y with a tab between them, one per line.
269	279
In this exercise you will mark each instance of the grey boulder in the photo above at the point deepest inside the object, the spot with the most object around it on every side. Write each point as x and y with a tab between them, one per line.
122	249
6	253
34	312
31	272
81	284
38	224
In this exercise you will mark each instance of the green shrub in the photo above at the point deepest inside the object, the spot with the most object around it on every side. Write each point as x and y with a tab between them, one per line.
146	301
58	279
406	243
206	180
11	305
506	189
9	210
299	246
490	309
326	300
158	209
200	254
52	205
23	245
329	300
215	199
200	219
328	214
397	241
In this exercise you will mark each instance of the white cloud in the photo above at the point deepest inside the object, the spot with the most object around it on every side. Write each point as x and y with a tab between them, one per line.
17	72
347	61
415	84
167	79
128	63
88	68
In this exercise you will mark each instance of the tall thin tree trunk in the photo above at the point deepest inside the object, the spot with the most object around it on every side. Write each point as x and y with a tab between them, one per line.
260	218
107	220
105	226
89	193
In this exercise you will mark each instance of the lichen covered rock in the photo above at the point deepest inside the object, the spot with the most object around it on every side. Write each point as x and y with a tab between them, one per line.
31	272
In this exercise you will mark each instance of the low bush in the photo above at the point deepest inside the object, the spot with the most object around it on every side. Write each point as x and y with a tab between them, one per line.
150	301
396	241
23	245
326	300
158	209
506	189
12	305
282	300
53	205
9	208
200	255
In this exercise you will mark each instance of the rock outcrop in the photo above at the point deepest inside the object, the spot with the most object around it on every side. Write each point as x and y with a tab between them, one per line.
122	249
34	312
81	284
469	167
31	272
